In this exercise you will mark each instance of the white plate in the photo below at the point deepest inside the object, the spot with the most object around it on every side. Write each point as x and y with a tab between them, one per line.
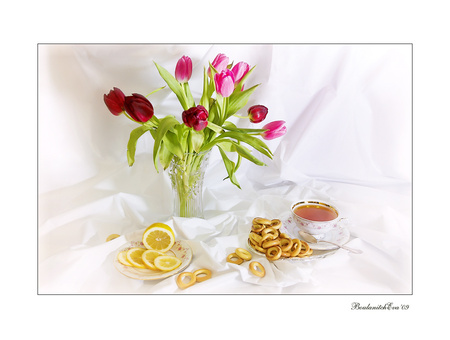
339	235
180	249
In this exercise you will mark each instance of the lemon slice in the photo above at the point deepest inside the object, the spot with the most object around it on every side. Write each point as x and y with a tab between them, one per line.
134	256
122	258
112	237
149	257
167	263
158	236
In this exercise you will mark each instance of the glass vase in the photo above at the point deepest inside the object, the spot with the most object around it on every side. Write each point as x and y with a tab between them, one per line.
186	176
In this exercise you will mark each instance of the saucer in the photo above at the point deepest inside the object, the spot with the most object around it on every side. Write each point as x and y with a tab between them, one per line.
339	235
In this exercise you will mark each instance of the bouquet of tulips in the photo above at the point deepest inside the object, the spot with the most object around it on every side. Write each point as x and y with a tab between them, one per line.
205	124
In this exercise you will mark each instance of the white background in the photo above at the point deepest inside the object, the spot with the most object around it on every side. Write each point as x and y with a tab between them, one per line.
396	22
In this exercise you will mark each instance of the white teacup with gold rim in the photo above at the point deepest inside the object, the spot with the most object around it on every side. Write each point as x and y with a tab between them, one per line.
315	217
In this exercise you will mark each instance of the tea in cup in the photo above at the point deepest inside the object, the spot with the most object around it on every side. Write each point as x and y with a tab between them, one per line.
315	217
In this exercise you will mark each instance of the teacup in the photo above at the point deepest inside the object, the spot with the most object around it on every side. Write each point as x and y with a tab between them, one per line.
315	217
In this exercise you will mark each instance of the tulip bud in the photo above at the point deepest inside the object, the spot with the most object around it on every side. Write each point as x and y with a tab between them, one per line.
115	101
257	113
274	130
224	83
196	117
240	70
138	107
220	63
183	70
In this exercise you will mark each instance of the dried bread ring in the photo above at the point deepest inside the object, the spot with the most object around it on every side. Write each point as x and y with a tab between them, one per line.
296	247
286	244
267	236
256	246
275	224
243	254
183	285
257	268
273	253
257	238
271	231
199	277
234	258
257	228
283	235
260	220
270	243
285	254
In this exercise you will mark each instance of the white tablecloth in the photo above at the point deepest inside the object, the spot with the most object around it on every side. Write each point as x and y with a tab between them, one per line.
348	113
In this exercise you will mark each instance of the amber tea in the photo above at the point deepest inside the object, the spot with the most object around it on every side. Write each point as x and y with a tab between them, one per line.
314	212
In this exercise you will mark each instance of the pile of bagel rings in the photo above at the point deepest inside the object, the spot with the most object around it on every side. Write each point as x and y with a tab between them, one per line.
265	237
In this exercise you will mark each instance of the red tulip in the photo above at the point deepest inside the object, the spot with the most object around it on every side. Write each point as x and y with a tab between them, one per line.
240	70
257	113
138	107
183	70
274	130
196	117
115	101
224	83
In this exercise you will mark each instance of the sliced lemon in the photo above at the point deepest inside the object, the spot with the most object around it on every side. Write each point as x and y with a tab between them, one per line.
158	236
149	257
166	262
122	258
134	256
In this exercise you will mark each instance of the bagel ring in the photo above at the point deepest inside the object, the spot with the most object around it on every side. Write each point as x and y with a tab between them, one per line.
260	220
284	235
256	246
267	236
183	285
234	258
257	228
202	278
271	243
273	253
286	244
255	237
257	269
296	247
275	224
272	231
243	254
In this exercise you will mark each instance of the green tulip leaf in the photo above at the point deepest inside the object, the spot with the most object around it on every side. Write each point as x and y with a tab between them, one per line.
232	127
230	167
165	156
174	85
246	153
165	125
132	142
238	100
172	144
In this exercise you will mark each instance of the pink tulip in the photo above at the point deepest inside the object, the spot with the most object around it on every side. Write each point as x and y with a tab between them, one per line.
220	63
138	107
196	117
224	83
115	101
257	113
183	70
240	70
274	130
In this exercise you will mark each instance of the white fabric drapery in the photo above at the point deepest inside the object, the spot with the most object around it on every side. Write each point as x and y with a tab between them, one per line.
348	113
